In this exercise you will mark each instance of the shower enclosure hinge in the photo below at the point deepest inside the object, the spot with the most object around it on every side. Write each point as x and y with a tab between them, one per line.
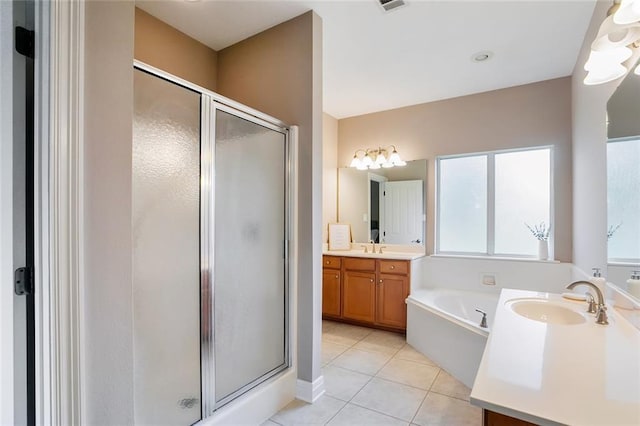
23	281
25	42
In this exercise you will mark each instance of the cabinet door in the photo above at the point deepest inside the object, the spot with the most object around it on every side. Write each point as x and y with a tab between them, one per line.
359	296
331	292
392	292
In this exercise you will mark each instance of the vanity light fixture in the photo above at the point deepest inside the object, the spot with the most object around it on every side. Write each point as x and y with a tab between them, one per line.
364	159
617	36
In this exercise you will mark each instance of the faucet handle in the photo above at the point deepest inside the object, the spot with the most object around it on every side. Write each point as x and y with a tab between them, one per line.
601	315
592	303
366	250
380	249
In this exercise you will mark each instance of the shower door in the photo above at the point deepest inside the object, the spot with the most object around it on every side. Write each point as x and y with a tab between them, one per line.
249	268
166	252
210	263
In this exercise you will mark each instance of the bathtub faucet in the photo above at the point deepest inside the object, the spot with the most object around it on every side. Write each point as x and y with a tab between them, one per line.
483	321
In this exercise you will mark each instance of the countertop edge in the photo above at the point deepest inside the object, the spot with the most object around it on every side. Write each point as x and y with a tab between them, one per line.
383	256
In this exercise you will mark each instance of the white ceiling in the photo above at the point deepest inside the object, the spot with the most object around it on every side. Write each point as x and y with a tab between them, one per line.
375	60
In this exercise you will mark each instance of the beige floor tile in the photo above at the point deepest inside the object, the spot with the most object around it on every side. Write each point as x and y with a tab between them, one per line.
361	361
382	341
443	410
301	413
346	334
352	415
328	325
409	373
343	384
446	384
410	354
393	399
330	350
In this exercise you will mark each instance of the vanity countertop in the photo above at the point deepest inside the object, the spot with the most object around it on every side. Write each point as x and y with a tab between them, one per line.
392	255
578	374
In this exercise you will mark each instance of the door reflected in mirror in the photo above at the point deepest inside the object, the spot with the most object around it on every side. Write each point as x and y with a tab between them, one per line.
384	205
623	184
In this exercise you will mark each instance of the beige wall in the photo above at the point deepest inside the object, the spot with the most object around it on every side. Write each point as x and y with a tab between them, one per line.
329	172
523	116
107	283
168	49
279	72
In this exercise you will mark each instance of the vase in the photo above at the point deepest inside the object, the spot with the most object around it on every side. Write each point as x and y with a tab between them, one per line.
543	249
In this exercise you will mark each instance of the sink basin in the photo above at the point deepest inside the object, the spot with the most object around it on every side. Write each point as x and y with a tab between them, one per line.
546	312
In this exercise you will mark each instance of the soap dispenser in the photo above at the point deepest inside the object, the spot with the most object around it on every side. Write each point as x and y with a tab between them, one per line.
634	284
598	280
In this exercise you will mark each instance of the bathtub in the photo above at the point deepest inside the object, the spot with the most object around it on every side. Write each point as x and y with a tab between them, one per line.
444	326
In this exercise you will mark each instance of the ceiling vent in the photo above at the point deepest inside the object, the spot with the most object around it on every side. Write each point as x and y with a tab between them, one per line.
391	4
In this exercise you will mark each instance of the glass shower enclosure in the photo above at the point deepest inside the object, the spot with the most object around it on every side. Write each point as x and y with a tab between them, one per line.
210	222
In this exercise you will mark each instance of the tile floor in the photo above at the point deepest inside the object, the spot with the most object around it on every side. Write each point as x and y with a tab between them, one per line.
374	377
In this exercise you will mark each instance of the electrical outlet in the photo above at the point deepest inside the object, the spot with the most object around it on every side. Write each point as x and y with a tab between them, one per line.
488	278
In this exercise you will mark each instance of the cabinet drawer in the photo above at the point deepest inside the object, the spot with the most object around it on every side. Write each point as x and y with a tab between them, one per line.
394	267
356	264
331	262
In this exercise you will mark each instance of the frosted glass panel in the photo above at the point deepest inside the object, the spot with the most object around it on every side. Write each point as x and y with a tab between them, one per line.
249	268
623	199
463	204
522	182
166	268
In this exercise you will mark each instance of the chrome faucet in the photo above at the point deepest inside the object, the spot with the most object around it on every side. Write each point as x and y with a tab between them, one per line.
373	247
601	312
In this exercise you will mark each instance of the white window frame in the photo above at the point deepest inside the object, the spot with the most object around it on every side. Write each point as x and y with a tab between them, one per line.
626	261
490	249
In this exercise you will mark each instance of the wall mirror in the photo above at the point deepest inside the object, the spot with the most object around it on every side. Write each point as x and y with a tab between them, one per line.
623	183
384	205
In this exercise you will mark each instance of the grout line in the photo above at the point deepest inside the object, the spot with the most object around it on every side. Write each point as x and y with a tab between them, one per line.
451	396
337	412
400	383
380	412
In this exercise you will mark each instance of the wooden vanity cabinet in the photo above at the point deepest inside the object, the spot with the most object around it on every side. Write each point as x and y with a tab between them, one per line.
331	287
392	293
491	418
359	289
373	291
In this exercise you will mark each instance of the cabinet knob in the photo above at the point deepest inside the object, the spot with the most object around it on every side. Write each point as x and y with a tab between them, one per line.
371	280
327	262
380	281
393	267
336	277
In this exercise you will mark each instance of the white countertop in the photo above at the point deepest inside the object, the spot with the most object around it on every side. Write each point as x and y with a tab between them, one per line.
583	374
395	255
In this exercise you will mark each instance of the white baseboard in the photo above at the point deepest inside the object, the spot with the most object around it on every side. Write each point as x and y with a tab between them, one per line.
308	391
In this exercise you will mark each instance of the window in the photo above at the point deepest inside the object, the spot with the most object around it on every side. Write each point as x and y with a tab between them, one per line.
623	199
485	200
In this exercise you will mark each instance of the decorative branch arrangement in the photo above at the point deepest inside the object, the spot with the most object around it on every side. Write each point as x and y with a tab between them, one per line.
541	232
612	230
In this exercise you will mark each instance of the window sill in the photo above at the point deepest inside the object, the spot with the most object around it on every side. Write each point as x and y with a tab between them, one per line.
625	264
500	258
